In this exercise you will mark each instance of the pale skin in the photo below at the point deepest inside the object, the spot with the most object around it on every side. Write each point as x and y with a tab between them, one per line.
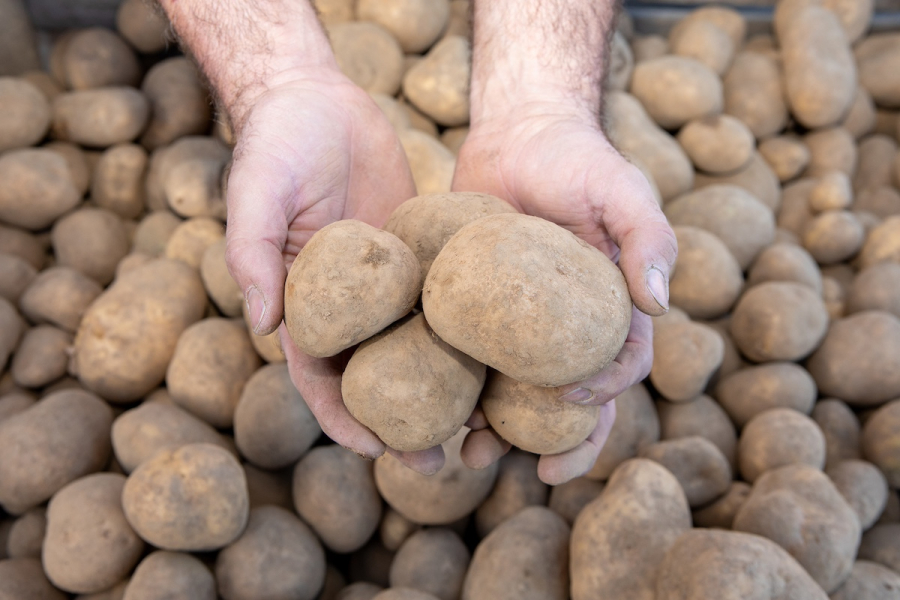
313	148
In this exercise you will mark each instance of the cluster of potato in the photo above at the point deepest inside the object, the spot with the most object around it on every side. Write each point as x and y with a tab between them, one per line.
152	446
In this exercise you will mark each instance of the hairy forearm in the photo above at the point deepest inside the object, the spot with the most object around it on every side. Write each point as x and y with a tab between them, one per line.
245	48
540	53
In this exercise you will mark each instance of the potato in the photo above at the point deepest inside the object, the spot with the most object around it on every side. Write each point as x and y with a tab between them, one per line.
701	416
621	63
379	278
91	241
819	70
643	502
89	545
59	296
26	536
335	11
165	574
879	544
676	89
876	57
142	432
179	102
16	274
142	26
42	356
832	192
876	288
743	223
165	190
193	498
118	182
573	284
569	498
699	466
875	162
439	499
403	594
717	144
778	437
517	486
687	354
649	46
636	426
432	560
639	138
785	262
881	201
44	82
100	117
830	149
705	42
425	223
361	590
395	529
392	109
276	556
525	557
23	244
753	93
98	57
27	116
720	513
219	284
857	361
863	486
213	359
13	402
707	278
754	389
787	155
779	320
428	388
417	119
13	326
438	84
726	18
190	239
153	232
833	236
145	310
267	346
756	177
80	166
841	430
860	119
24	578
415	24
38	188
868	580
713	564
431	163
880	443
881	245
62	437
824	531
369	55
334	491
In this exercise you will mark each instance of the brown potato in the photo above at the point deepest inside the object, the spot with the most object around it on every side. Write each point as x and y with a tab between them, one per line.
98	57
687	354
778	437
517	266
153	232
23	244
118	182
707	279
830	149
62	437
277	555
13	326
868	580
702	416
728	19
220	286
831	192
42	356
517	486
190	239
100	117
876	288
877	59
699	466
785	262
26	535
189	149
193	498
569	499
841	430
268	488
89	545
179	102
334	491
881	245
379	278
879	544
395	529
881	201
756	177
860	119
863	486
416	24
754	389
147	310
438	84
79	162
643	502
704	41
16	275
636	426
427	388
880	442
432	164
753	93
59	296
38	188
833	236
524	558
676	89
26	117
369	55
91	241
787	155
720	513
434	561
142	26
173	575
717	144
24	578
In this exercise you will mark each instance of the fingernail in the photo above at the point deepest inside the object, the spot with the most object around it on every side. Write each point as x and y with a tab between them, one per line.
578	396
659	287
256	307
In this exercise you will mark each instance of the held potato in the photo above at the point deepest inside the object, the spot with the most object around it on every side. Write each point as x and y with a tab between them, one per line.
348	283
426	389
497	273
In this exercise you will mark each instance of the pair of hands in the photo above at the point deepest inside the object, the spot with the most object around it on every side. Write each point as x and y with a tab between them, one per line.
315	151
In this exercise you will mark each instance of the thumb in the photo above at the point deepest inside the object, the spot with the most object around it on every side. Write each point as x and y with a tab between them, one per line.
255	237
646	242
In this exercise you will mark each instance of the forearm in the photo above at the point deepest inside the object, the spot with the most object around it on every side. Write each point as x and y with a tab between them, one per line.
245	48
539	54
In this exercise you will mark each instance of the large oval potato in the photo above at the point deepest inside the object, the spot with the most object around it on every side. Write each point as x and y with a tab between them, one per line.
496	275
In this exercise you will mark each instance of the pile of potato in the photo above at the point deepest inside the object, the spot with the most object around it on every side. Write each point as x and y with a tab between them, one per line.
152	447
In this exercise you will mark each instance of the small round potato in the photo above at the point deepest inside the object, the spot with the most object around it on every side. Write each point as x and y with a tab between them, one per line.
98	57
59	296
717	143
687	355
173	575
369	55
707	278
677	89
787	155
416	24
438	84
100	117
778	437
38	188
432	560
91	241
179	102
26	114
431	163
700	467
142	25
118	181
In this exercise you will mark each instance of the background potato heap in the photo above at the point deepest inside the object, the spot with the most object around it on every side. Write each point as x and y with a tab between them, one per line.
150	446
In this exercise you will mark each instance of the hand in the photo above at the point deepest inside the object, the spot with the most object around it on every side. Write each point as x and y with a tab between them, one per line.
311	151
562	168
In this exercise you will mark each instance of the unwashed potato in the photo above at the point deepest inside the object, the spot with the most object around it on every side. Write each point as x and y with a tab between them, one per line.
754	389
707	279
118	181
434	561
868	580
26	535
833	236
753	93
863	486
720	513
860	119
787	155
699	466
841	429
636	426
880	441
379	283
395	529
170	574
369	55
179	102
488	314
89	545
277	555
687	354
142	26
190	239
778	437
525	557
42	356
832	192
13	326
830	149
726	18
438	84
153	232
431	163
78	161
62	437
718	143
59	296
702	416
26	115
16	274
193	498
517	486
569	499
642	502
38	188
165	190
128	335
219	284
877	59
23	244
882	243
100	117
25	578
427	388
416	24
334	491
704	41
676	89
97	57
785	262
91	241
879	544
756	177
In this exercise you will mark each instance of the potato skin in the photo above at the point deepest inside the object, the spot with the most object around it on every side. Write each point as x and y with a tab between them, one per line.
496	273
179	574
676	89
38	188
348	283
411	388
26	115
707	279
100	117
